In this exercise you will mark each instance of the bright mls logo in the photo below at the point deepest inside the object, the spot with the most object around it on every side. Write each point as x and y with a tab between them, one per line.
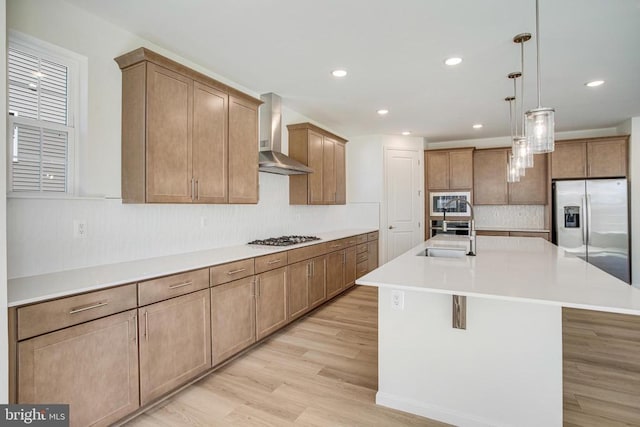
35	415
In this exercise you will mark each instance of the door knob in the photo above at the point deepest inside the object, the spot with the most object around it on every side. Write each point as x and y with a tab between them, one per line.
391	227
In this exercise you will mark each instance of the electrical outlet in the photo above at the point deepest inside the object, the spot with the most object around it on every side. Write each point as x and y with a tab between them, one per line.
79	228
203	222
397	300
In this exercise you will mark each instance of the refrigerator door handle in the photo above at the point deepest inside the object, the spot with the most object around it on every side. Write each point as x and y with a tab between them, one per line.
588	219
584	223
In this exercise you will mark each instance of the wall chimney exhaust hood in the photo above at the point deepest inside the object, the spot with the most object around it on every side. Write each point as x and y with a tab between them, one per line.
271	158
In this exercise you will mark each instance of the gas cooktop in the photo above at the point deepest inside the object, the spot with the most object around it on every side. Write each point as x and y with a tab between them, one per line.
284	240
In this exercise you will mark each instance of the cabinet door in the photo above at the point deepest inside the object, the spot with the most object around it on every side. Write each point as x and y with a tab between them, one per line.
533	187
569	160
169	130
243	151
271	301
175	343
233	318
461	170
437	163
372	255
298	289
607	158
341	195
210	163
350	267
490	177
328	171
335	273
93	367
315	162
318	282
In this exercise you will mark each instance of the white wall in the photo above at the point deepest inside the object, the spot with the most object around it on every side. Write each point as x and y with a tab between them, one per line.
40	231
632	127
428	368
4	350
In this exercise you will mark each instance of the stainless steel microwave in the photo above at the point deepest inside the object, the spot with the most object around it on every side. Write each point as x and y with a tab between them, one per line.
438	201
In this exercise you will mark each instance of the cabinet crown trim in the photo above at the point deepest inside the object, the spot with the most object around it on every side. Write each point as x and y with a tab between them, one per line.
142	54
315	128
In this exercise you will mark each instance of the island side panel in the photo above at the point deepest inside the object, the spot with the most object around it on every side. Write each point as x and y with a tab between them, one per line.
504	369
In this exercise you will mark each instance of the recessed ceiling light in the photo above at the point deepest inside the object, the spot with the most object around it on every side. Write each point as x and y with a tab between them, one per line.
477	126
453	61
382	112
339	73
594	83
406	132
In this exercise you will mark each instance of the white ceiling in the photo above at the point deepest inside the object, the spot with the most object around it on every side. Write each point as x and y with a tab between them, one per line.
394	53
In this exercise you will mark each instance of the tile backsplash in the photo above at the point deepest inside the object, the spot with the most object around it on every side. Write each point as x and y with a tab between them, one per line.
510	216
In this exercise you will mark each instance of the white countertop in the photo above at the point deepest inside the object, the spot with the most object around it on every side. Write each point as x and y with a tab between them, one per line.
526	230
26	290
508	268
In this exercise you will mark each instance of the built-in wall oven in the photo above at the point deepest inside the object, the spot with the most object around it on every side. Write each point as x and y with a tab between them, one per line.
438	203
459	228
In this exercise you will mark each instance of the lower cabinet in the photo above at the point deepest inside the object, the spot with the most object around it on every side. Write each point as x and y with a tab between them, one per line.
92	366
335	273
372	255
350	267
233	318
318	281
298	288
175	343
271	298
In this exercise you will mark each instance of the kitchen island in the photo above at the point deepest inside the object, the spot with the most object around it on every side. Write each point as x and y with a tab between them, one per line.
506	367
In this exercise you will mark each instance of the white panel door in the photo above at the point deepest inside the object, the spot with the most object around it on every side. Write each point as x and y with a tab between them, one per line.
403	201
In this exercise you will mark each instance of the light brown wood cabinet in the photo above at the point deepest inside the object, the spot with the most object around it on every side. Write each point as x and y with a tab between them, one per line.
271	301
323	152
186	138
306	286
372	255
318	281
175	343
590	158
449	169
490	180
233	318
335	273
93	367
350	267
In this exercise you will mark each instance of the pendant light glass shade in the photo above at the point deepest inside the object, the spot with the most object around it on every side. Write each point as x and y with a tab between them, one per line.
513	173
522	151
540	130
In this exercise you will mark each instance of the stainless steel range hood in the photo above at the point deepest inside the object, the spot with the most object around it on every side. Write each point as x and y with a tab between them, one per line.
271	158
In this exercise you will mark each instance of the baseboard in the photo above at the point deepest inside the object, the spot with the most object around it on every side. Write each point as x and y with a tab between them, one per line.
431	411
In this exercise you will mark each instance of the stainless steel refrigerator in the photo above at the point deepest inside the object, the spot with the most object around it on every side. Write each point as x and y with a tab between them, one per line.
591	221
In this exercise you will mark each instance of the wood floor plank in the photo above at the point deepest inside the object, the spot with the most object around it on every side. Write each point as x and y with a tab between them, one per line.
320	371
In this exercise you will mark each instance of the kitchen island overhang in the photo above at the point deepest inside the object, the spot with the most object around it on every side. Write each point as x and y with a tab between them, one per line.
506	367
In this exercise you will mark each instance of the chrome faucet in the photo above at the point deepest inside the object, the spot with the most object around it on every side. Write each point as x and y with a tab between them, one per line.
472	224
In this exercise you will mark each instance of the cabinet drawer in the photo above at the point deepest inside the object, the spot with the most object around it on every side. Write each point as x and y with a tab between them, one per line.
361	248
307	252
372	236
269	262
350	241
361	268
334	245
163	288
361	238
362	257
232	271
491	233
52	315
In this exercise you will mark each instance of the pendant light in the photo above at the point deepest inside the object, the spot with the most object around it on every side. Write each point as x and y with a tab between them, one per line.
540	120
521	146
513	173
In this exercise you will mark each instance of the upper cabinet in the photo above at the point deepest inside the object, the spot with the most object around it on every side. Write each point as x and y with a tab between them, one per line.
449	169
323	152
490	180
590	158
186	138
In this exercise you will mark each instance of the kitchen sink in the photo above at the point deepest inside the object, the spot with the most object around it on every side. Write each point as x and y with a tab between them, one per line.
443	252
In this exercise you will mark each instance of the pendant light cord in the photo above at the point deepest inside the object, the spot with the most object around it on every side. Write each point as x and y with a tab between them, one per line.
538	50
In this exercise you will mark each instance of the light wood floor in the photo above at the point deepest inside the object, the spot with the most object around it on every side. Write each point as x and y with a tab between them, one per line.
320	371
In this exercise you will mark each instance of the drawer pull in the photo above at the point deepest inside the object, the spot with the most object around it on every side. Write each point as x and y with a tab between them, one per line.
240	270
180	285
275	261
88	307
335	246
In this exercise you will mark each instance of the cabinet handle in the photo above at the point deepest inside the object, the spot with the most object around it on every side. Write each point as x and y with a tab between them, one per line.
335	246
180	285
344	258
308	269
275	261
257	287
197	190
135	326
313	269
88	307
192	185
146	326
240	270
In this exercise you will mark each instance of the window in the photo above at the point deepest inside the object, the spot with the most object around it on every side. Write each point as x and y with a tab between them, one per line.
42	118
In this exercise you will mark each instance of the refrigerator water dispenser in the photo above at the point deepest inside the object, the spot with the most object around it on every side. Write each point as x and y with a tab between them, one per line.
572	217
